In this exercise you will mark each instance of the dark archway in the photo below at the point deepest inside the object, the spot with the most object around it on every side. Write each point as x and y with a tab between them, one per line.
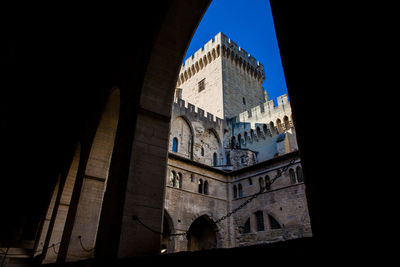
168	241
202	234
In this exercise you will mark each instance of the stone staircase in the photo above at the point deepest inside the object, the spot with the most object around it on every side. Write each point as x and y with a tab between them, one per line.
17	256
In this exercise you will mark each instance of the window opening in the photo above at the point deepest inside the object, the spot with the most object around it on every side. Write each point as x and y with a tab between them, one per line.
215	159
267	183
206	188
200	189
175	145
273	223
247	228
260	221
240	189
299	173
202	85
292	176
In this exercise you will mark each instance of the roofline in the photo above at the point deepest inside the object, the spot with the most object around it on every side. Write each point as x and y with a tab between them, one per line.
235	172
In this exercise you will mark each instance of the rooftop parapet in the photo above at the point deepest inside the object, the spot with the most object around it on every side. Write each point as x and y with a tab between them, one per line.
239	52
190	110
218	45
267	107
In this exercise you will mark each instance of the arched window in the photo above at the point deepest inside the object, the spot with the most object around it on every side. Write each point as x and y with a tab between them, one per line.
258	132
215	159
299	173
244	101
175	145
286	122
191	178
179	180
246	228
200	186
172	178
260	221
272	127
292	176
228	158
273	223
250	181
261	183
233	142
202	152
279	125
267	183
206	188
190	147
265	129
234	191
252	135
240	189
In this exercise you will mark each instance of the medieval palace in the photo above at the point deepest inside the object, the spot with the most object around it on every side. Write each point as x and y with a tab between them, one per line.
229	144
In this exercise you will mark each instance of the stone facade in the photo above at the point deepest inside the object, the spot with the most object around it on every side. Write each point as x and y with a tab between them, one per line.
232	78
228	142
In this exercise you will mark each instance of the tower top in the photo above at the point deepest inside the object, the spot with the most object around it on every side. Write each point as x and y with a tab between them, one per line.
212	49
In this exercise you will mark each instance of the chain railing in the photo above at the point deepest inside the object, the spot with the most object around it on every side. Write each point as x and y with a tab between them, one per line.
241	206
185	233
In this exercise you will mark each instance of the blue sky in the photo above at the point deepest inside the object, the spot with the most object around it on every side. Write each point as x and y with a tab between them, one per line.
250	25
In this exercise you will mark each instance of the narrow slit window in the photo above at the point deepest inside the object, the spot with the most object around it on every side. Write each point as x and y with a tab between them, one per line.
202	85
175	145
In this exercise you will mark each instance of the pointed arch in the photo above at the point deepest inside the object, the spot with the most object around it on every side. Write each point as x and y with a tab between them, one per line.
168	241
181	128
202	234
214	132
90	190
57	213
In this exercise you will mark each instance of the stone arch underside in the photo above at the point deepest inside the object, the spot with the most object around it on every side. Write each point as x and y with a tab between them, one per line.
202	234
182	130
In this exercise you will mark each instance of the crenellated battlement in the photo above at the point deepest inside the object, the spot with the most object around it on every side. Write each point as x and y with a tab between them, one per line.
212	50
267	111
183	108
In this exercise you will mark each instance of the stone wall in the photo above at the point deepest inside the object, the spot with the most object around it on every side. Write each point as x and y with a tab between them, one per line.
285	201
188	121
186	204
233	78
241	89
205	64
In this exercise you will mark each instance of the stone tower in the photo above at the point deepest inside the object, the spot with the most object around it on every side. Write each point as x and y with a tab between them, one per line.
222	79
